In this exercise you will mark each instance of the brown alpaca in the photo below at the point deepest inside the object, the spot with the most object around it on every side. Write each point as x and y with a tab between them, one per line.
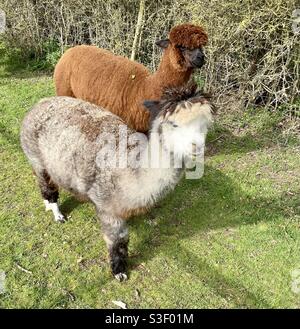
120	85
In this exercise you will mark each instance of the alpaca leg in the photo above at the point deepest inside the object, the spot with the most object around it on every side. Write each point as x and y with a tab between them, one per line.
116	237
50	194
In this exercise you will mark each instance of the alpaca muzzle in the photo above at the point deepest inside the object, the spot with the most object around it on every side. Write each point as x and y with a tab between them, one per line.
198	60
194	57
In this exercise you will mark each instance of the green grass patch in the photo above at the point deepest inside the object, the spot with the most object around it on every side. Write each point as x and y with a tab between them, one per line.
16	62
228	240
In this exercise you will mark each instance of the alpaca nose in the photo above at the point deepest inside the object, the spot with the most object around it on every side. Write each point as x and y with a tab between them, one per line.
201	56
199	59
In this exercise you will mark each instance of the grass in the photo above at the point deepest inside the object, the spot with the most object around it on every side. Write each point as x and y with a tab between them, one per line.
229	240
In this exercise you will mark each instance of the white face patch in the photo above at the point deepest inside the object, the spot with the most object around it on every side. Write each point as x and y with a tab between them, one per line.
58	216
189	127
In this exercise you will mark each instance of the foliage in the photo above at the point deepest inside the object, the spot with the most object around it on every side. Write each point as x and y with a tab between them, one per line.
252	56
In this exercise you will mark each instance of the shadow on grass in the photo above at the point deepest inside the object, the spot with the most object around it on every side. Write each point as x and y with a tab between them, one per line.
222	141
22	74
221	285
14	66
12	139
212	203
69	205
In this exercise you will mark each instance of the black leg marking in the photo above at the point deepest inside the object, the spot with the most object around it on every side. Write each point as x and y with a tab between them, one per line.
116	237
49	190
118	256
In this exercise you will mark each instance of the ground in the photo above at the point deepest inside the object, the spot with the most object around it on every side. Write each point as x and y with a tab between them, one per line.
228	240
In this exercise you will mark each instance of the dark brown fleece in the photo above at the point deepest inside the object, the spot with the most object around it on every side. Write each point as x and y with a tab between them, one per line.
120	85
189	36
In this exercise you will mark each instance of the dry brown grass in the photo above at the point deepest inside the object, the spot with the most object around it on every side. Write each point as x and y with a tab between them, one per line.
253	54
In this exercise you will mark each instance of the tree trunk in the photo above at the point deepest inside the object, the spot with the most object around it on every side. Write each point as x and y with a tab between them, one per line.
138	29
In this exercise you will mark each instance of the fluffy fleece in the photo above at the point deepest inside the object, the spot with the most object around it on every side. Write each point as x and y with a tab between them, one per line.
63	140
120	85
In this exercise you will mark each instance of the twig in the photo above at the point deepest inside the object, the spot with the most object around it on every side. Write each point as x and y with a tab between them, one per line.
216	139
23	269
138	29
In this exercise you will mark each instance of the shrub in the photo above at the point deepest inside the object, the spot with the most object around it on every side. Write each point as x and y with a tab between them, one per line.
253	54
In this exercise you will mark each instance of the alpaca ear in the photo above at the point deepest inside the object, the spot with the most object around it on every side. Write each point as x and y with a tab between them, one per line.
153	108
162	43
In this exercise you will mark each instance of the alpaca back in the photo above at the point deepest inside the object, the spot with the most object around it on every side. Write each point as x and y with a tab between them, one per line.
61	133
102	78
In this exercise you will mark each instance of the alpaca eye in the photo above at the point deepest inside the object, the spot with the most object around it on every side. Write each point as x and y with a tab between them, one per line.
181	48
174	124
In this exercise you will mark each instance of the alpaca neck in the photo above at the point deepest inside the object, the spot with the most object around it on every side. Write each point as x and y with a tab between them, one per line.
167	76
153	179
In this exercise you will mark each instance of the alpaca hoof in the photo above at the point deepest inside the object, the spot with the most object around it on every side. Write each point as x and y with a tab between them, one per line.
121	277
60	218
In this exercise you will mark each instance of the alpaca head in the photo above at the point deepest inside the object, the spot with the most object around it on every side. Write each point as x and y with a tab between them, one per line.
184	46
182	118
